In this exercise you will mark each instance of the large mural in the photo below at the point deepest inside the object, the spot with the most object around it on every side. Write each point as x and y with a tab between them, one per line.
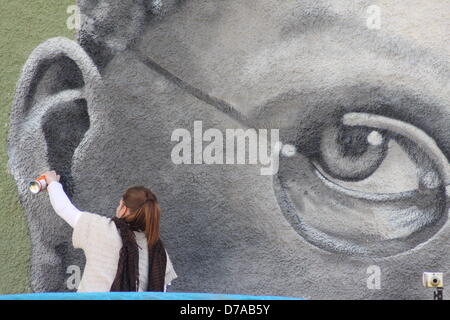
298	148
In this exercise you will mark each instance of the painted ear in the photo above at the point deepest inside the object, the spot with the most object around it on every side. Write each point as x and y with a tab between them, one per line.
50	111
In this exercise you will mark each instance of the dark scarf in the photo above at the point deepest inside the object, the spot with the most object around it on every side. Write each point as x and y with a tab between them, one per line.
127	276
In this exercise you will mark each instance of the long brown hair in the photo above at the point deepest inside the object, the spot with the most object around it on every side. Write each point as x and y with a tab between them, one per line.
144	212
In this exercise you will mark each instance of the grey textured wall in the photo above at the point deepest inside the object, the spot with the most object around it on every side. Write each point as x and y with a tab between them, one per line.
102	110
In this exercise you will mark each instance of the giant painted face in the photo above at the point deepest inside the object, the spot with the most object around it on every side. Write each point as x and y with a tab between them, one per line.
367	111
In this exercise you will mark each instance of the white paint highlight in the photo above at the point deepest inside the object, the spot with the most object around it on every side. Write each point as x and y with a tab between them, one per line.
375	138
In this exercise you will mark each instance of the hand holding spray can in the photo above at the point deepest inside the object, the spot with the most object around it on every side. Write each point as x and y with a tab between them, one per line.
38	185
41	183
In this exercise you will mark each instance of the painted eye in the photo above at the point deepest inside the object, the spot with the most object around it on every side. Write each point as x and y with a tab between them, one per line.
374	161
352	153
377	186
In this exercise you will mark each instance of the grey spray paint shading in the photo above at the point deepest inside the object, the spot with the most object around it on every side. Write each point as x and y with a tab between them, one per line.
101	111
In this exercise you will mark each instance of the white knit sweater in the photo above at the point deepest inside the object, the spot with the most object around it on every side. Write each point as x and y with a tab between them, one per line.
101	242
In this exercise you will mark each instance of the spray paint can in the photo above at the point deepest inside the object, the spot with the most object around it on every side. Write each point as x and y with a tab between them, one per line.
38	185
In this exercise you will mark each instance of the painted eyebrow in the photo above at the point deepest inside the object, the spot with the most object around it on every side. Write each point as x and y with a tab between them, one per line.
390	44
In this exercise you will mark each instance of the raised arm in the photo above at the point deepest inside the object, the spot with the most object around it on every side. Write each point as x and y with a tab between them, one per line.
59	200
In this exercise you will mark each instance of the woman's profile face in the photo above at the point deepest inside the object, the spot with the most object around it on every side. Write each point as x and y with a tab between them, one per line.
121	209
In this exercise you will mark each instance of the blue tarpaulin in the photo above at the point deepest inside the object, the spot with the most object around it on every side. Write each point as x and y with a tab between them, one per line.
137	296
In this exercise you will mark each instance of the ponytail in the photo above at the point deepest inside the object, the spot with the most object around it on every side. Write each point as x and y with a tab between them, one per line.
152	216
144	213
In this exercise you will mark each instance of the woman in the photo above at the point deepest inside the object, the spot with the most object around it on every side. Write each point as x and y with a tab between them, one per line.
124	253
